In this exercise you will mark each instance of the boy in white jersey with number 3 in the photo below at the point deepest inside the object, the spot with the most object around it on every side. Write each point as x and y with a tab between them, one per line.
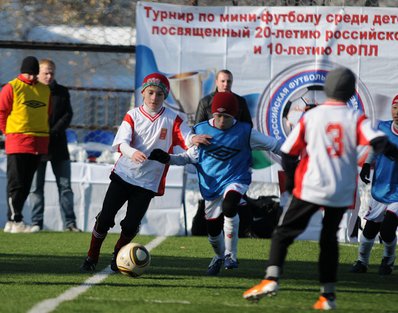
224	174
326	139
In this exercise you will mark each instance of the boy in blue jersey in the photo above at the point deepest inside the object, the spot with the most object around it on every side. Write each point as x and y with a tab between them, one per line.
382	215
224	174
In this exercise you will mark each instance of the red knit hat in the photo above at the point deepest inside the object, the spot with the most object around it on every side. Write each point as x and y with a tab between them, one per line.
395	100
158	80
225	103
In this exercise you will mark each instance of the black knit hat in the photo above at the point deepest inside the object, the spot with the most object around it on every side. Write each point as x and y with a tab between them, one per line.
340	84
30	65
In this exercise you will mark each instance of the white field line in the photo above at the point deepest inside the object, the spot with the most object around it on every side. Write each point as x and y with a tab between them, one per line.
50	305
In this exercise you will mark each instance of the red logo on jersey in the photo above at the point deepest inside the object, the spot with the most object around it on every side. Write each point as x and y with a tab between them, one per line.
163	133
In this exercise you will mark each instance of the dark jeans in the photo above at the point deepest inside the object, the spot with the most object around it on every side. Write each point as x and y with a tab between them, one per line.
20	170
295	222
62	173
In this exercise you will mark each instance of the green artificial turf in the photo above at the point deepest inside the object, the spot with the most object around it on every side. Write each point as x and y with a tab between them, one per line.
45	265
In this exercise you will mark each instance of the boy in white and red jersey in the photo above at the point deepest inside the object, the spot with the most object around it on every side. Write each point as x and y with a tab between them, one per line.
326	140
134	178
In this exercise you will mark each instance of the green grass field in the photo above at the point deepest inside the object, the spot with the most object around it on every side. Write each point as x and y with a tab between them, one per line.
36	267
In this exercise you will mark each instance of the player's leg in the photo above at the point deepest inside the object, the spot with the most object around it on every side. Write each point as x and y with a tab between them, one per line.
232	199
328	257
116	195
366	242
373	217
388	235
137	205
216	240
293	223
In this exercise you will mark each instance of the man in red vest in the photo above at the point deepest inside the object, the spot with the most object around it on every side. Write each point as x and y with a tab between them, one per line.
24	112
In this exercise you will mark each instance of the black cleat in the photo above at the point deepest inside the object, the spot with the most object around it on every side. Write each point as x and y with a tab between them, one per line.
386	268
214	267
113	262
88	266
359	267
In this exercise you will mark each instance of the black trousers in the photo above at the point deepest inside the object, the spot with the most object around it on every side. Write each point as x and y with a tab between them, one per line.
20	170
295	222
138	200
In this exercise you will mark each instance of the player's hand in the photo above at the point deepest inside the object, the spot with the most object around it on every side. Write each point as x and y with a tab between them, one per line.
201	139
160	156
365	173
138	157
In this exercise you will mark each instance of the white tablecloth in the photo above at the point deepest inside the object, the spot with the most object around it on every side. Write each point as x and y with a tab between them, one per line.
89	183
167	215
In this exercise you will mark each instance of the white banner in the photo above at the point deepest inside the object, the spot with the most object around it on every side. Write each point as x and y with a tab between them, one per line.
279	56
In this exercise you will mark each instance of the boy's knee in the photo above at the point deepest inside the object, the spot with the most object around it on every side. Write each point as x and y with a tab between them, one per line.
214	227
230	203
371	229
389	227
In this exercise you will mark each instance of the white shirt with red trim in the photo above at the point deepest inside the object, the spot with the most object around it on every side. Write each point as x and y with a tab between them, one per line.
326	138
144	132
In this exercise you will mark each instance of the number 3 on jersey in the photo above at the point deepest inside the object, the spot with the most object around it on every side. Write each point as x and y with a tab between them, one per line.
335	134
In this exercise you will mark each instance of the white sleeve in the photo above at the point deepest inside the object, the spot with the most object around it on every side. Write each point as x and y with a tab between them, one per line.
371	156
259	141
123	136
368	132
188	140
187	133
188	157
127	150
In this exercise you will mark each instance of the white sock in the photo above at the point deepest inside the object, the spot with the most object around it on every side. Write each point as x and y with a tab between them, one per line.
272	271
328	288
231	235
365	246
389	250
218	245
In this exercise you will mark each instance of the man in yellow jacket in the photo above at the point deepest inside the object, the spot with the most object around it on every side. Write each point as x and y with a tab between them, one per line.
24	112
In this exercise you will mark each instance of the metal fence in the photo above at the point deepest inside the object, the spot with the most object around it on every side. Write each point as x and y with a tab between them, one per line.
93	46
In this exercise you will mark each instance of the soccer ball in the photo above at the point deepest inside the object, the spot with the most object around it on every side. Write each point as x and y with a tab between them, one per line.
133	259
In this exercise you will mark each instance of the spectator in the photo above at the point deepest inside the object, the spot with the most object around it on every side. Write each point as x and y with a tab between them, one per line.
224	174
24	113
58	153
224	80
382	215
136	179
327	138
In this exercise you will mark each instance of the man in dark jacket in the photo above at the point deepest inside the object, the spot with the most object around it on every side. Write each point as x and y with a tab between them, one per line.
224	81
58	154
